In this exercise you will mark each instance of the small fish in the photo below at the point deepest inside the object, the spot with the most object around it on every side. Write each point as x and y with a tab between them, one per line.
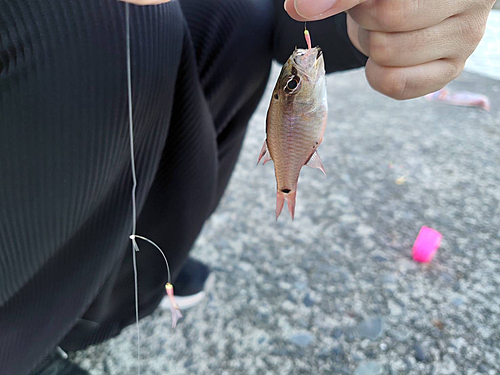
296	121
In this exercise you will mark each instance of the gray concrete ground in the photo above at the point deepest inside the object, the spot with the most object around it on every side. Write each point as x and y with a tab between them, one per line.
336	290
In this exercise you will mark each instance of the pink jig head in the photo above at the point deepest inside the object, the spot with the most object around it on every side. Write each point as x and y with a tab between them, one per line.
308	38
426	244
174	307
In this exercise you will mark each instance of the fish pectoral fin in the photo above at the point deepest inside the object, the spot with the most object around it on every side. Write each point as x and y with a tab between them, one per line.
264	154
315	162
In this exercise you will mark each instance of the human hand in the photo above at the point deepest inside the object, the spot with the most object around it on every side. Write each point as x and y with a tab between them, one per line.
145	2
414	46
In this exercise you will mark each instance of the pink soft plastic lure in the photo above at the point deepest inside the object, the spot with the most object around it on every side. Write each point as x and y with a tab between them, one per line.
174	308
461	98
296	121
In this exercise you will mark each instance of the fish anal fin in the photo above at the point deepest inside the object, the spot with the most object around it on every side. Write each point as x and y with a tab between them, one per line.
315	162
264	154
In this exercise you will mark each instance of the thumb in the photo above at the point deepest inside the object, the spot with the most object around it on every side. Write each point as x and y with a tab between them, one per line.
319	9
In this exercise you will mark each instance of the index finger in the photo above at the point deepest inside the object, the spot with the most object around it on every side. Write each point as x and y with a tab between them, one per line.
311	10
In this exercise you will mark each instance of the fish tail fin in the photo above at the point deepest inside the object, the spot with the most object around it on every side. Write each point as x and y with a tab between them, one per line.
290	200
280	201
289	196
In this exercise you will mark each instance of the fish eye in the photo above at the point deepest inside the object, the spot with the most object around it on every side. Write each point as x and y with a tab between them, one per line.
292	84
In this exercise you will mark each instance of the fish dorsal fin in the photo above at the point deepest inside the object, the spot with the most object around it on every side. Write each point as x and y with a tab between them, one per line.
264	153
315	162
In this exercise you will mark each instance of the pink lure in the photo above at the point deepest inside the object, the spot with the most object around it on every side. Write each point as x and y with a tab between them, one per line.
426	244
174	308
462	98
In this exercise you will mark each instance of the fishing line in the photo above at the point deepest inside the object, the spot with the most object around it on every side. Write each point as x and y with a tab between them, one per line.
176	314
134	186
162	253
133	236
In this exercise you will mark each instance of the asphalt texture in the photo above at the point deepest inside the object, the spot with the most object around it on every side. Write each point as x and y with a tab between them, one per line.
336	291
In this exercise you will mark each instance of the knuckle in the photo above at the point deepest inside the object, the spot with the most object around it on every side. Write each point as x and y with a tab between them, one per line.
477	34
472	29
396	87
391	83
456	69
380	48
392	15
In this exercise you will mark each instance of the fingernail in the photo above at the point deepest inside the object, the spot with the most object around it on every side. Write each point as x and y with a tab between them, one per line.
312	9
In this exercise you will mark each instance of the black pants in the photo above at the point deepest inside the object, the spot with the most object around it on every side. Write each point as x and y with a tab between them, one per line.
199	68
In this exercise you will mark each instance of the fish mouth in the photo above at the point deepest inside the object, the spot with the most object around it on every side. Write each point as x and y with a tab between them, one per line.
320	53
308	61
